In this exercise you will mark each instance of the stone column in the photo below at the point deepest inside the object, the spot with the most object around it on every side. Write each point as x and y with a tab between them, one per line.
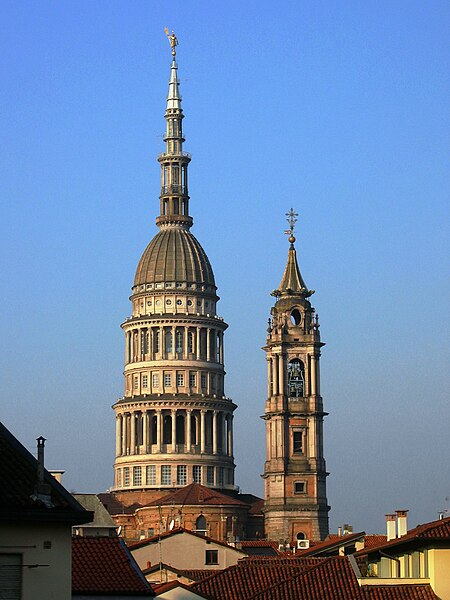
124	434
215	432
274	362
230	435
318	376
281	373
173	413
174	342
145	431
197	342
202	430
118	434
313	375
269	378
158	429
186	341
188	429
224	434
208	344
133	434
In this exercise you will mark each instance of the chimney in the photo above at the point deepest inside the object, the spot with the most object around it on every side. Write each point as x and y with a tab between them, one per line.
391	527
40	457
339	531
402	522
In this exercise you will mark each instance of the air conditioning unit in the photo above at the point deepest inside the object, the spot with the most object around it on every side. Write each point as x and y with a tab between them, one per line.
302	544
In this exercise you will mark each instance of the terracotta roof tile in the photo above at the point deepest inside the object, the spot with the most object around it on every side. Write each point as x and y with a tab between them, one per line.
197	494
374	539
435	530
399	592
250	576
332	579
103	564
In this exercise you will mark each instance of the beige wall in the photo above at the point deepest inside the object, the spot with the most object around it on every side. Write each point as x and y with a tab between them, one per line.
52	582
185	551
439	571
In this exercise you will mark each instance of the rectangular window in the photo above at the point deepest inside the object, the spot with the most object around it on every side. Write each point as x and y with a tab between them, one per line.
150	532
166	475
126	476
181	475
213	382
297	439
197	473
167	379
137	476
299	487
155	380
180	379
203	380
192	379
210	475
150	475
212	557
119	477
220	476
136	382
145	381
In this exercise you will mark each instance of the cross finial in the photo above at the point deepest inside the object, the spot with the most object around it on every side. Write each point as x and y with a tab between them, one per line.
292	220
173	40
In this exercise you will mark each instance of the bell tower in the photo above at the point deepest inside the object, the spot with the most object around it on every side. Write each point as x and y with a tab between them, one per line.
296	508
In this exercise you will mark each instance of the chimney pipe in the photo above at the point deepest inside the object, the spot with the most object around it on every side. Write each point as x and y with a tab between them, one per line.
340	531
402	522
391	526
40	458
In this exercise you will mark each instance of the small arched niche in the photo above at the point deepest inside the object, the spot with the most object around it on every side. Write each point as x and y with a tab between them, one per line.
295	317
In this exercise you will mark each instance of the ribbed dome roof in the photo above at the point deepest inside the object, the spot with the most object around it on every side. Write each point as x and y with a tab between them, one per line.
174	254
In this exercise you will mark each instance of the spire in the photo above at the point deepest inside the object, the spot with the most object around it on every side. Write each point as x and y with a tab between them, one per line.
292	281
174	198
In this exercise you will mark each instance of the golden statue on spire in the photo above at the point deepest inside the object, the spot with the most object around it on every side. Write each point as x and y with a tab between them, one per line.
173	41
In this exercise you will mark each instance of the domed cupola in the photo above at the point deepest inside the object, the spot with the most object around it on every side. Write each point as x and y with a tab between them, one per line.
174	424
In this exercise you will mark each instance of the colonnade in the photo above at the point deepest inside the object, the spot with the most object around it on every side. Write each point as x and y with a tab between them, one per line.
174	342
174	431
277	374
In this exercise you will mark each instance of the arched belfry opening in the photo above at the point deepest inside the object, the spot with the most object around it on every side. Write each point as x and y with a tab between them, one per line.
296	378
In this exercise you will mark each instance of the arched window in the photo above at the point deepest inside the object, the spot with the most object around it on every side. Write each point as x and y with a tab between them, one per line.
301	535
168	341
190	342
167	429
180	429
179	342
296	317
200	524
156	341
296	378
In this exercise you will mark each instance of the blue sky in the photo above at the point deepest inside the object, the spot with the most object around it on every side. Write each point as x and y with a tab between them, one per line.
338	109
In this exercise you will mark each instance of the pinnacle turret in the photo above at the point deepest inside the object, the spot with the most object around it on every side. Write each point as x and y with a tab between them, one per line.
174	198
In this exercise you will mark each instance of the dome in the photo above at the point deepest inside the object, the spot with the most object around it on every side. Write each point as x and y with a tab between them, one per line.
174	255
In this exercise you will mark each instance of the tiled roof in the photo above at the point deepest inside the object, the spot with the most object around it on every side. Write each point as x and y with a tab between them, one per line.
332	579
374	539
91	502
195	494
399	592
171	585
22	496
102	565
435	530
167	534
259	543
331	544
248	577
114	506
260	547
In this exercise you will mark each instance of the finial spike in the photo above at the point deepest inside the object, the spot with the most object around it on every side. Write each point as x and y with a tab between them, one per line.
173	41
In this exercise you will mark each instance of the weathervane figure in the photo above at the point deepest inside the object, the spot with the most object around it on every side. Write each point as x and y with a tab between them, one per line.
292	220
173	41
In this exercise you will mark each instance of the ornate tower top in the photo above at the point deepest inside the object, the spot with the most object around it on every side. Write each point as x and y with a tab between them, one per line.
174	198
292	282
